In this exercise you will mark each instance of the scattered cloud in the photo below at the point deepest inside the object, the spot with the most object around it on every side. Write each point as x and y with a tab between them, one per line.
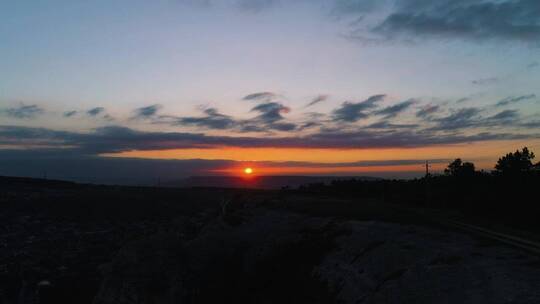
282	126
147	112
475	20
270	112
309	125
269	118
427	111
255	5
113	139
514	99
69	113
95	111
379	21
506	115
459	119
356	7
100	113
352	112
470	118
485	81
533	65
531	124
212	120
317	99
23	111
261	96
388	125
393	111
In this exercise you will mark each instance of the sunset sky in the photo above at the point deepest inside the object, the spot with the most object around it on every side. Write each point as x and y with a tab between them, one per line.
315	87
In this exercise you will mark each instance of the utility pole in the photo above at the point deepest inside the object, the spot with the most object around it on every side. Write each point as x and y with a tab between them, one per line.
426	185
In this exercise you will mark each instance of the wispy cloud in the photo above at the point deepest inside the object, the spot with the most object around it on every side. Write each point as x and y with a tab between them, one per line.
486	81
69	114
270	118
99	113
95	111
391	126
394	110
428	110
459	119
533	65
354	111
271	111
23	111
255	5
505	116
212	120
514	99
147	112
378	21
317	99
113	139
470	118
474	20
261	96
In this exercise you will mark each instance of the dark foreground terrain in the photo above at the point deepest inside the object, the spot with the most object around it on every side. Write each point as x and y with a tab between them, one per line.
69	243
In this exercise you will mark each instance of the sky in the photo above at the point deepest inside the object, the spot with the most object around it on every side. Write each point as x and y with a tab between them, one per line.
139	89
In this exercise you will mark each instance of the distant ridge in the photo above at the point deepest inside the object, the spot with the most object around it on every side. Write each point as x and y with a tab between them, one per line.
259	182
210	181
31	181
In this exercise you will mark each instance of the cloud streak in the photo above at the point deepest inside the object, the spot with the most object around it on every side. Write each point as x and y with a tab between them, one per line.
260	96
212	120
113	139
353	112
393	111
476	20
318	99
23	111
69	114
147	112
95	111
514	99
428	111
486	81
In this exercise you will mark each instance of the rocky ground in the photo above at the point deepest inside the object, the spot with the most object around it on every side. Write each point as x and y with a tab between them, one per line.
267	256
68	243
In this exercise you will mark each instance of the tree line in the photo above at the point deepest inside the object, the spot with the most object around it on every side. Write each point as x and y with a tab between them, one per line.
508	193
512	164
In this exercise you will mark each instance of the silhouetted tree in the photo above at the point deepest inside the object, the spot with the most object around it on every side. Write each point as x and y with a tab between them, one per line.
458	168
515	163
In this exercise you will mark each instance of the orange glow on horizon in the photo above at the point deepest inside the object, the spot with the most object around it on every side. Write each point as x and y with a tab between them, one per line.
483	154
265	171
248	171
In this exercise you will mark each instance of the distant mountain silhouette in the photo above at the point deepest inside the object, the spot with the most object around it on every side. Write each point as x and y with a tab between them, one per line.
260	182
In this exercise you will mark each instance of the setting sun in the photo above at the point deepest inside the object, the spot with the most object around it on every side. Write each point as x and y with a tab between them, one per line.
248	171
